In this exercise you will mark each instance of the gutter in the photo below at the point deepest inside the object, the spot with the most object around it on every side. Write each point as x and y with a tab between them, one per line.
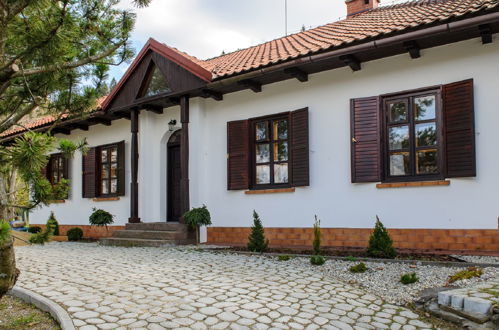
372	45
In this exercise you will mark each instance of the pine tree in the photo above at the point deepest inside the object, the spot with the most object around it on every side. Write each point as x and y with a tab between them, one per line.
256	240
316	243
380	243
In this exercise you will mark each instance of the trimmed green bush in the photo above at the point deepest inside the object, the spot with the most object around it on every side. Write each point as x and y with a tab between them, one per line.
75	234
408	278
256	239
53	225
359	268
284	257
34	229
380	243
197	217
42	237
100	218
317	260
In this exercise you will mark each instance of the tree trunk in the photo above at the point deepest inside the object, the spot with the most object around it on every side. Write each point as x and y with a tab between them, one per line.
8	270
7	195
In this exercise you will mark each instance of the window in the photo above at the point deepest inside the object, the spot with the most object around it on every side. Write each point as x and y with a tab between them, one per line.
412	136
108	170
270	151
103	171
57	168
155	83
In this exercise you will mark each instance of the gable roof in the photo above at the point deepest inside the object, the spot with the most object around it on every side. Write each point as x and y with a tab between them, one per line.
376	23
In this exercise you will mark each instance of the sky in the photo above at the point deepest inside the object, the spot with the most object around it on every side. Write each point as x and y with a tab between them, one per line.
205	28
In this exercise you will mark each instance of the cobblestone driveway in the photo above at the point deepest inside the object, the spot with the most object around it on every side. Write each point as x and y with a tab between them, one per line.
157	288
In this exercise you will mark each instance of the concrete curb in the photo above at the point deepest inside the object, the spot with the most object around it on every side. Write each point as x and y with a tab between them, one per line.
46	305
399	261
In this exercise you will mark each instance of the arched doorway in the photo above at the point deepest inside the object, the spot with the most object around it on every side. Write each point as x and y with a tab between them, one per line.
173	202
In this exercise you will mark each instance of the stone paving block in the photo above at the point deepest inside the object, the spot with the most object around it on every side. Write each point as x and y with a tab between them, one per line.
477	305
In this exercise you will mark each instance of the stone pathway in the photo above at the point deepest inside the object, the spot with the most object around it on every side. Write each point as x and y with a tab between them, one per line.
158	288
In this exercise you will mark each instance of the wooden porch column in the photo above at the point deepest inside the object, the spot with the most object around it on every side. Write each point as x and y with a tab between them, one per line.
184	155
134	161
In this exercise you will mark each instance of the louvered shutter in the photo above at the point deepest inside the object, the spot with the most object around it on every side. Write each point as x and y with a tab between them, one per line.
45	171
300	172
89	173
237	155
121	168
365	139
459	129
65	169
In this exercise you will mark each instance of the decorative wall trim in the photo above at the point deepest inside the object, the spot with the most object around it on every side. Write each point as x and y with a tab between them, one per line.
417	239
93	232
413	184
105	199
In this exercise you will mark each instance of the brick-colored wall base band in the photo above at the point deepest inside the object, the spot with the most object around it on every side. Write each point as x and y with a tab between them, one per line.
88	231
416	239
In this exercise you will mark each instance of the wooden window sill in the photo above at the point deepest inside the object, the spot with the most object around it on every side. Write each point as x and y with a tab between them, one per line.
413	184
106	199
58	201
269	191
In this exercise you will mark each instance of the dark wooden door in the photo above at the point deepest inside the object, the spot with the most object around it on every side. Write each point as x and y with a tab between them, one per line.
173	203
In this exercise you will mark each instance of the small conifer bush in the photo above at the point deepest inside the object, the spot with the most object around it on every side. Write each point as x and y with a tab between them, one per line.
34	229
316	243
408	278
197	217
75	234
53	224
284	257
359	268
41	237
380	243
256	239
317	260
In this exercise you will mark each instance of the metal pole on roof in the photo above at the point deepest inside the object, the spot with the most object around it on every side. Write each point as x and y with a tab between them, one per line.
285	17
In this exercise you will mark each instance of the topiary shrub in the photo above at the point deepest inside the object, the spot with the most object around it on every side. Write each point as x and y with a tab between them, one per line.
380	243
53	225
75	234
256	239
359	268
197	217
284	257
317	260
42	237
408	278
316	243
100	218
34	229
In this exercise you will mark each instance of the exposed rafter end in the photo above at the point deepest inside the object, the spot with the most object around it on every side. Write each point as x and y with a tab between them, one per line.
154	108
413	48
62	130
352	61
174	100
102	121
83	127
213	94
251	84
297	73
122	114
485	33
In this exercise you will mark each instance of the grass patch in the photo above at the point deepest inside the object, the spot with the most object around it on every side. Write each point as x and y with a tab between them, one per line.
466	274
15	314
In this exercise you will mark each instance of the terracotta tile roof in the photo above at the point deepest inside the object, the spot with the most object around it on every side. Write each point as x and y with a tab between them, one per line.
371	24
35	123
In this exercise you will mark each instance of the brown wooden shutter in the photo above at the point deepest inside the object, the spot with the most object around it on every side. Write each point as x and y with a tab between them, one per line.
89	174
459	129
65	169
300	172
121	168
238	155
45	171
365	131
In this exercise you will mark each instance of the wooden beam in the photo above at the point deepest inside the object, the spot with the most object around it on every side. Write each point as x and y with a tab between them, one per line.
102	121
485	33
352	61
413	48
217	96
62	130
83	127
255	86
122	114
184	155
154	108
297	73
174	100
134	168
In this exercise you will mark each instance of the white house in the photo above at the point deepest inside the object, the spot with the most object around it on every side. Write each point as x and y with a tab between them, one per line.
392	111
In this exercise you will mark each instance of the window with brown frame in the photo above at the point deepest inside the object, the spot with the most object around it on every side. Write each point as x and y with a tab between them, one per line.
270	152
108	170
418	135
412	136
57	168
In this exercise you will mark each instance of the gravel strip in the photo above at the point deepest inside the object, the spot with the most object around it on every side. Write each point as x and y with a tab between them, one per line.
383	279
478	259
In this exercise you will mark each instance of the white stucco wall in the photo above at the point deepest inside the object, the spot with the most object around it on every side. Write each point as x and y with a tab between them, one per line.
466	203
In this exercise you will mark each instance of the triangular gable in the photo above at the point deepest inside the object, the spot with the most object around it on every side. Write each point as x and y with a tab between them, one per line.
180	72
154	83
